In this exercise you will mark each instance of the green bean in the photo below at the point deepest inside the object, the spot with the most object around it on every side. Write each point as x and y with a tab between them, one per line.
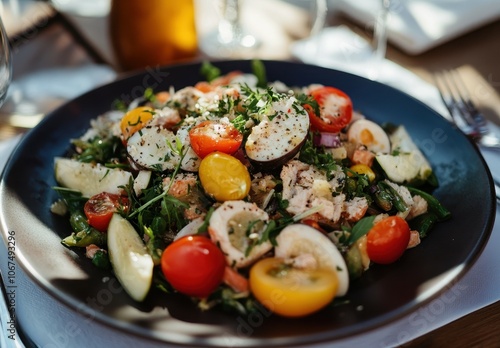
396	200
84	238
78	222
423	223
101	259
383	200
434	205
83	234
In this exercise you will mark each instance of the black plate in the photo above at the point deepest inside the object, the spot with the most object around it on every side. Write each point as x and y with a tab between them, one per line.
381	296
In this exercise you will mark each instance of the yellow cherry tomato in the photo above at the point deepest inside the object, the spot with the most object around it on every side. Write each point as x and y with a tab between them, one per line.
134	120
289	291
224	177
364	169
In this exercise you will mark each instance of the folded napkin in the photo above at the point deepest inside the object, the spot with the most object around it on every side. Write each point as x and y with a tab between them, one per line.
418	25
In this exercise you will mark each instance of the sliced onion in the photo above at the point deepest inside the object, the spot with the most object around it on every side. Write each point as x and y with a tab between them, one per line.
190	229
327	139
140	101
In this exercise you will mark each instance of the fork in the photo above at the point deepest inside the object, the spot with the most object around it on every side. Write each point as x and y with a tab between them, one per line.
463	111
465	115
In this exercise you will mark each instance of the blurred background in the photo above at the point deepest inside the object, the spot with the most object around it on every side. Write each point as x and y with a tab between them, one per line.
62	48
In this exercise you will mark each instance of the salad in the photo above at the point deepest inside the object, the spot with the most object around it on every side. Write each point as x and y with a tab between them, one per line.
239	193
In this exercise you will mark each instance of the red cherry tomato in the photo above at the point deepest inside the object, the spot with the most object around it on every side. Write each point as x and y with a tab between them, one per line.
335	110
211	136
100	208
193	265
387	240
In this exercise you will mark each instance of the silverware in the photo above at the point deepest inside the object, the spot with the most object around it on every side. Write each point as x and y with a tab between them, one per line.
463	111
465	115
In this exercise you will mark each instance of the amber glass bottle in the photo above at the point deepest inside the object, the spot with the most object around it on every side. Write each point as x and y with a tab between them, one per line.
152	32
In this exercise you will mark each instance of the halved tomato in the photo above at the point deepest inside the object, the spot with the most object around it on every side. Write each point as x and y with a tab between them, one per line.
289	291
335	110
224	177
99	209
211	136
134	120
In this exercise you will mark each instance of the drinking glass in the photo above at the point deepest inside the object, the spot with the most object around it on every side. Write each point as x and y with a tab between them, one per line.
316	11
153	32
5	63
379	42
229	40
343	49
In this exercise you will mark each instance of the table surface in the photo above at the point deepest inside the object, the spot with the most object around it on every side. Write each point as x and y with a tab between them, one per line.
474	53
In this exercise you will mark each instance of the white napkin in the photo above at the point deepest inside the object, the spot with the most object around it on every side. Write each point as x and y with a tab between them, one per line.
418	25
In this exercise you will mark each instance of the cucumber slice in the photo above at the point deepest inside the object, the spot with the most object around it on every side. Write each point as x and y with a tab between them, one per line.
89	179
132	264
410	165
405	167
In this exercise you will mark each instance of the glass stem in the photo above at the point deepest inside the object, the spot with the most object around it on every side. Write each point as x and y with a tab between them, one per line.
380	31
229	27
379	43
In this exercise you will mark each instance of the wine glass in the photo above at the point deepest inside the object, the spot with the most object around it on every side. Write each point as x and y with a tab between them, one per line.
365	56
229	40
379	41
5	63
342	48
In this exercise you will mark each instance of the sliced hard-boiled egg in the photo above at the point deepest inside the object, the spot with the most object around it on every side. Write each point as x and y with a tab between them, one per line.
368	133
279	136
312	249
237	227
153	148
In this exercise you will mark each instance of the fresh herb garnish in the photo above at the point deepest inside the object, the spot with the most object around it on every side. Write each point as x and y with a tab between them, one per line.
100	150
360	229
318	157
209	71
259	70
